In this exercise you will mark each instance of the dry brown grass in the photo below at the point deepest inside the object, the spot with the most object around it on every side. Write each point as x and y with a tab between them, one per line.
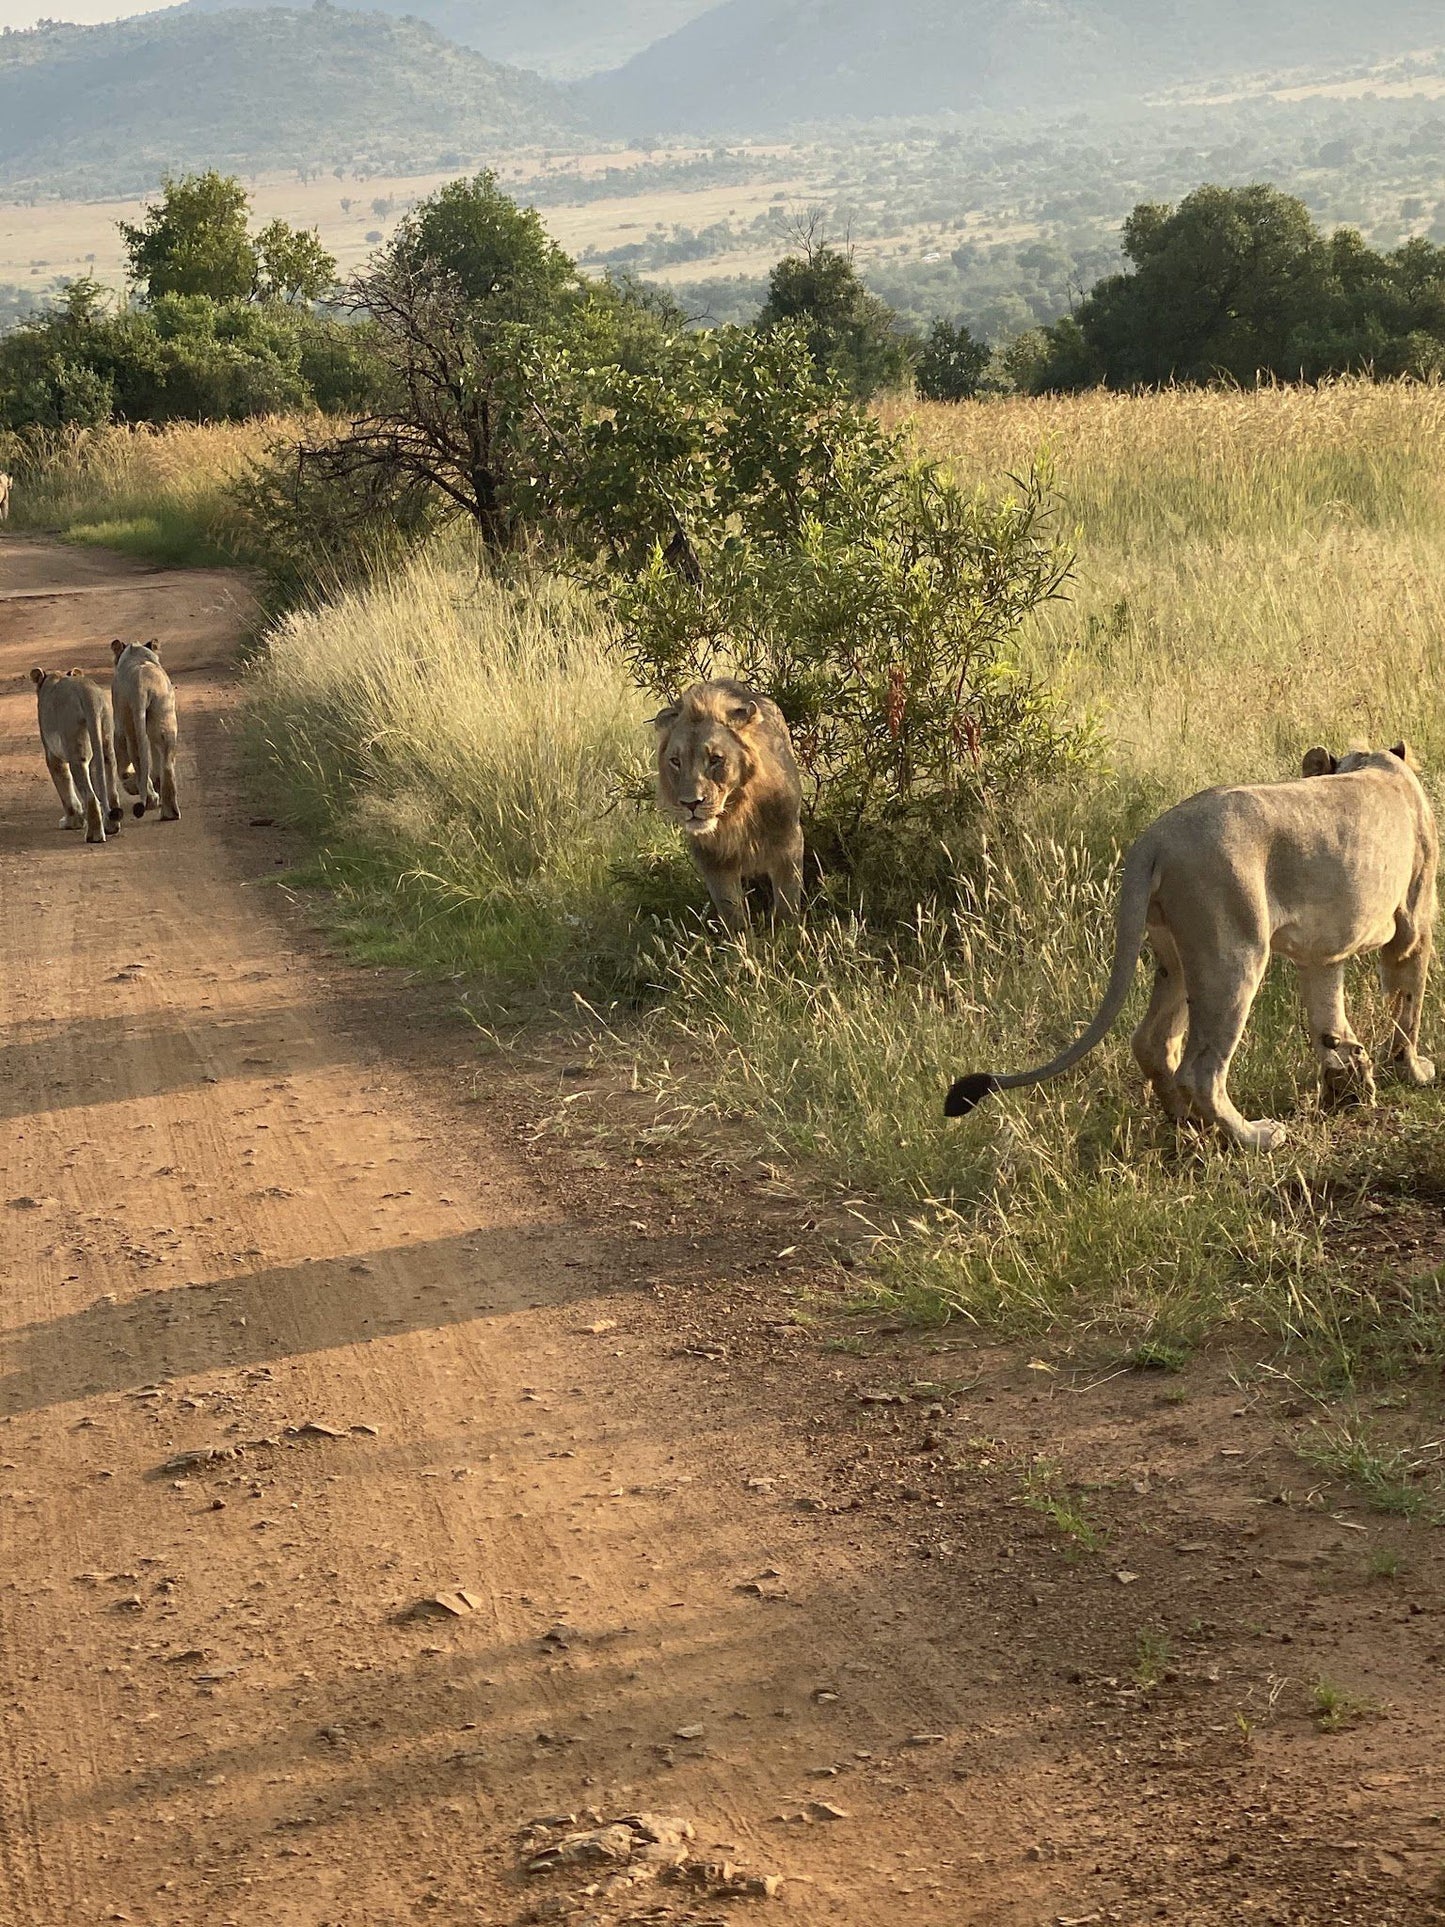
157	493
1257	571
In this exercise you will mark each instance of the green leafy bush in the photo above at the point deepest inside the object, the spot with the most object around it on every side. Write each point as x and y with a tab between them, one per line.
883	624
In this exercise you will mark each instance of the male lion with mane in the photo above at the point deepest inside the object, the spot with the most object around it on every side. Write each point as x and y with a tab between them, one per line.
726	772
1318	870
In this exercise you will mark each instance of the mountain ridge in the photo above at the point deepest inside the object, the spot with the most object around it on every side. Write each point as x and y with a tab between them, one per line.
753	66
111	108
560	39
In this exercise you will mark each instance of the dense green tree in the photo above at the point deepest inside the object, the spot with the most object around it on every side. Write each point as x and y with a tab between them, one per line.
292	265
194	240
952	364
1220	285
499	255
849	331
1238	284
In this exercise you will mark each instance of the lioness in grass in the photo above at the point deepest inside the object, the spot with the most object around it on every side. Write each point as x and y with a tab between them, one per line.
1319	871
727	774
145	720
78	737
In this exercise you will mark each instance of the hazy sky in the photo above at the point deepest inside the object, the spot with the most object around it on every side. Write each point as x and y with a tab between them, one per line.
25	13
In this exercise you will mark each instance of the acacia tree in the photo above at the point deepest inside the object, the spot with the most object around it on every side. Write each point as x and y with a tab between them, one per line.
483	330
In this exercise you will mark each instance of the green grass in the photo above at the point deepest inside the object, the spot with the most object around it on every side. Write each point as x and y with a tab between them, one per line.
172	539
1045	1492
1388	1476
1333	1708
1154	1656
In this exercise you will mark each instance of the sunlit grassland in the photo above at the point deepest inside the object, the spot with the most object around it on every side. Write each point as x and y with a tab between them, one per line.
1255	573
158	494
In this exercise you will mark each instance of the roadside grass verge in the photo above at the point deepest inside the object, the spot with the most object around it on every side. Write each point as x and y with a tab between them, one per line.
467	751
160	495
1257	573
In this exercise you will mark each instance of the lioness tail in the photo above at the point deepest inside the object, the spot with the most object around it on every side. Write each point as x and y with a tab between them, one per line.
1136	888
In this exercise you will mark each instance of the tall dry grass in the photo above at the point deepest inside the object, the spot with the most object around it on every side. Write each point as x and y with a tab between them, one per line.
160	494
471	749
1257	570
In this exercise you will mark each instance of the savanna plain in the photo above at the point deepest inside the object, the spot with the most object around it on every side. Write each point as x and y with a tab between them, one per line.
1115	1462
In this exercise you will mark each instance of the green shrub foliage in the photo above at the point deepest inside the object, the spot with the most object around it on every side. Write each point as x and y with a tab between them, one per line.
223	327
757	523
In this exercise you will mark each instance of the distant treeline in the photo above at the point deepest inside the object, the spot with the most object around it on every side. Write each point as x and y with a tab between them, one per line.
1233	284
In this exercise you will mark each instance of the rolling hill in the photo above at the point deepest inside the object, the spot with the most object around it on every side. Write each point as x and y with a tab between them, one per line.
560	38
759	65
109	109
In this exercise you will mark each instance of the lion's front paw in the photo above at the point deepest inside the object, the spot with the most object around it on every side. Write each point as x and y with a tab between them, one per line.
1416	1070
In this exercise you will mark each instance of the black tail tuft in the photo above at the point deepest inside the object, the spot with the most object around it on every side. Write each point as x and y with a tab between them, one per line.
968	1093
137	809
115	813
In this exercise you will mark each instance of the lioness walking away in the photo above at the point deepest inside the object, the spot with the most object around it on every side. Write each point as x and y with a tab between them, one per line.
726	772
1319	871
145	715
78	736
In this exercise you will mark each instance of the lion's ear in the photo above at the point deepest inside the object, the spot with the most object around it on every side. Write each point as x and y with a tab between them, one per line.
154	644
37	676
75	672
743	717
665	718
117	648
1318	762
1405	754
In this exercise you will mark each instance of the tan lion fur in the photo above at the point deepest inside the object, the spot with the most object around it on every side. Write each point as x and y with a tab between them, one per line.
145	717
727	774
77	734
1332	866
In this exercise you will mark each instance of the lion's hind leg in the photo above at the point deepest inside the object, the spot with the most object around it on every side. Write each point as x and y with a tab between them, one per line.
70	803
1221	992
1159	1041
1403	981
1346	1074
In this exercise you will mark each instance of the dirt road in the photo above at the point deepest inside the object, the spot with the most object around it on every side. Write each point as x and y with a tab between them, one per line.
260	1205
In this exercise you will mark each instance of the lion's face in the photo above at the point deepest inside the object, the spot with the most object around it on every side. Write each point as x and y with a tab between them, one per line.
701	765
